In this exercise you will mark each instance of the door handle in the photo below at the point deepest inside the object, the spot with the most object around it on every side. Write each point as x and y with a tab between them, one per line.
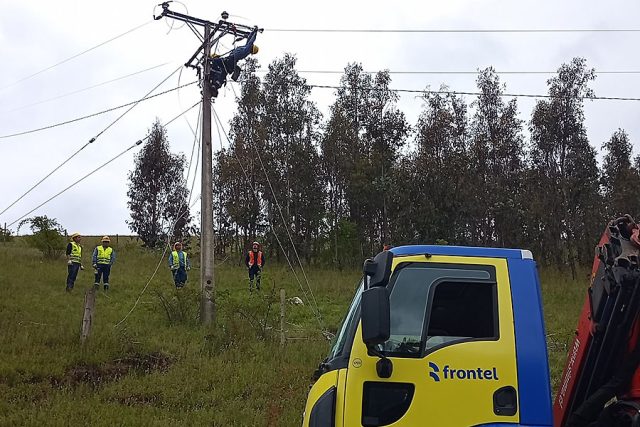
505	401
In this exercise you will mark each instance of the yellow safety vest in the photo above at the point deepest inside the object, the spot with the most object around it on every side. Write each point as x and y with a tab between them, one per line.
76	253
104	254
175	260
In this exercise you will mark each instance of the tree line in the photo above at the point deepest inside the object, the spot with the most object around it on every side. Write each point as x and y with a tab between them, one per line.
339	186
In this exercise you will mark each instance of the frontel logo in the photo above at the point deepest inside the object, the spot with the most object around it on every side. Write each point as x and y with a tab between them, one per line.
449	373
434	372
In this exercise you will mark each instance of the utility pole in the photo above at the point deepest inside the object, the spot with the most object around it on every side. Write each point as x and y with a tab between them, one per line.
213	32
207	306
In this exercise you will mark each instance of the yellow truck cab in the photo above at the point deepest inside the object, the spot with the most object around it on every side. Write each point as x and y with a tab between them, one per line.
438	336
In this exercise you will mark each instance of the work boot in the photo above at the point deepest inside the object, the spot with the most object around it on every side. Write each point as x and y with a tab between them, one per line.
96	286
236	73
106	287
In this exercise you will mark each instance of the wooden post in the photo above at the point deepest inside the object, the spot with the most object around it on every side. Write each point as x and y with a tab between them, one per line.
282	334
89	311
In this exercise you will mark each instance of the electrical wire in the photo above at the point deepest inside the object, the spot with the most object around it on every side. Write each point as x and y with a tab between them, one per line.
285	224
76	55
98	168
456	72
164	253
314	307
96	114
510	95
64	95
169	232
132	105
454	30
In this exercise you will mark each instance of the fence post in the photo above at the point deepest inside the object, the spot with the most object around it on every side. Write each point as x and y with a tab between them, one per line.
282	334
87	318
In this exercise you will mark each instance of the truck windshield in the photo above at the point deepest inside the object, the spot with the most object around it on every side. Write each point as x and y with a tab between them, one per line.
347	325
432	305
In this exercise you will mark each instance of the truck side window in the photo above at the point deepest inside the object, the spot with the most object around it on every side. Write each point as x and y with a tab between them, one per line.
463	306
462	311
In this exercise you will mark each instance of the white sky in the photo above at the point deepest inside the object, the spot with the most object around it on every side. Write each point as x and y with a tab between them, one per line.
36	34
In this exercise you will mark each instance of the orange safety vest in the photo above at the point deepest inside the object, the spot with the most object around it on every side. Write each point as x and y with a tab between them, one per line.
252	259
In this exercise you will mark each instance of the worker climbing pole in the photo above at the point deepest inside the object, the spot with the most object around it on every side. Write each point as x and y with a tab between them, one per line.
212	70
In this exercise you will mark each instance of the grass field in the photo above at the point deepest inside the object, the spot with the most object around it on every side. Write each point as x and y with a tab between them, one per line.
159	367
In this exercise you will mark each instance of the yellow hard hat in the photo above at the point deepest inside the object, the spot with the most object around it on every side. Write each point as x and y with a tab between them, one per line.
106	239
254	49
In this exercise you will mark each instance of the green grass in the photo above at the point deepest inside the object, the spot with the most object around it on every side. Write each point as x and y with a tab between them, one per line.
155	371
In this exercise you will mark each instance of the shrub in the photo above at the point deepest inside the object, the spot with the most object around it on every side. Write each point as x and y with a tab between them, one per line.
48	236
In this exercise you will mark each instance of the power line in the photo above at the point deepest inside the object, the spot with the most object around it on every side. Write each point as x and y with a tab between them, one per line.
313	305
96	114
453	92
175	221
454	72
88	143
164	252
99	167
76	55
64	95
454	30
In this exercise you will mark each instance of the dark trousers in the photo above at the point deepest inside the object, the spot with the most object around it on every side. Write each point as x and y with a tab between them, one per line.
72	273
180	277
102	270
254	272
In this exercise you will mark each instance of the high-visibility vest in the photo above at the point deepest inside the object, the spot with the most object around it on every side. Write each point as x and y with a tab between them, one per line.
76	253
104	254
252	258
175	259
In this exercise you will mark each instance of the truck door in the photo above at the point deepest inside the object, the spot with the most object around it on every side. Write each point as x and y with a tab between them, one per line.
452	348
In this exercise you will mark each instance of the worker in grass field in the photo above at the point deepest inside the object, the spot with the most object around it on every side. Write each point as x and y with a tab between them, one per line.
254	262
103	258
74	260
179	264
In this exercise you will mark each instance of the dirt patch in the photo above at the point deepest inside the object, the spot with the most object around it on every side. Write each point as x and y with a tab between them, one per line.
96	375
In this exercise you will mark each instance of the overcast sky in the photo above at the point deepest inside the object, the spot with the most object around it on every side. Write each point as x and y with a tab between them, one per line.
36	34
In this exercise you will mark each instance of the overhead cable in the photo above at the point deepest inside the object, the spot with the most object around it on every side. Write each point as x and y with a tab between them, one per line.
76	55
139	142
132	105
453	30
64	95
454	92
95	114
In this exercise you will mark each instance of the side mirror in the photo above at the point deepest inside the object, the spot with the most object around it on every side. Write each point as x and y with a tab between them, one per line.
378	270
375	316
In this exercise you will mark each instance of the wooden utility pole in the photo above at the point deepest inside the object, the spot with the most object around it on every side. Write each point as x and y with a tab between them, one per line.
207	307
213	32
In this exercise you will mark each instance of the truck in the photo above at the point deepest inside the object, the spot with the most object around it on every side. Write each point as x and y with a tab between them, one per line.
455	336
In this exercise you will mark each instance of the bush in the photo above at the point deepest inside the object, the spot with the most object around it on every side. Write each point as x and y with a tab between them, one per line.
48	236
5	235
